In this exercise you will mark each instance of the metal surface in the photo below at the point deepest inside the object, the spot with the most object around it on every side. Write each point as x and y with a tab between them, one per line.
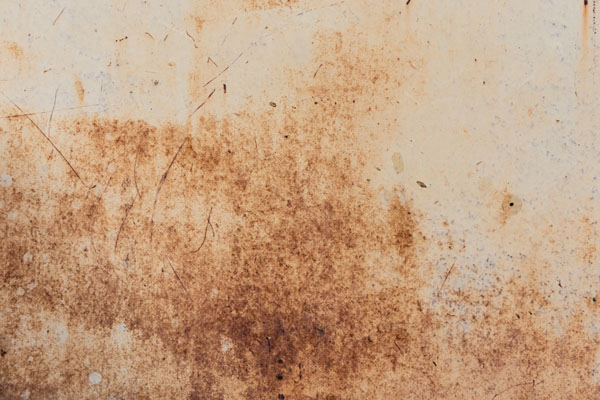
268	199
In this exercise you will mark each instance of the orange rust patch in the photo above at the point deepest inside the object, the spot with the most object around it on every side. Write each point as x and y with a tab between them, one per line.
15	50
511	205
199	22
284	253
80	90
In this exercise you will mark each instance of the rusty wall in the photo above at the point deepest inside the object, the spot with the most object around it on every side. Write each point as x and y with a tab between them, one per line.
301	199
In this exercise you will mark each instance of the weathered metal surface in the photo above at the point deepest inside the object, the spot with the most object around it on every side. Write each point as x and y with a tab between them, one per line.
299	200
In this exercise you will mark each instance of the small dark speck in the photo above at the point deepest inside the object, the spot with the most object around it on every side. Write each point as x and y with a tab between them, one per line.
280	361
155	83
272	104
279	377
511	204
407	2
518	316
585	2
423	185
286	136
281	396
224	88
594	299
2	353
434	363
484	82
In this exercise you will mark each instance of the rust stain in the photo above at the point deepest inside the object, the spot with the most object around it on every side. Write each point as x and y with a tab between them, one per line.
511	205
249	255
199	22
79	89
15	50
267	4
588	233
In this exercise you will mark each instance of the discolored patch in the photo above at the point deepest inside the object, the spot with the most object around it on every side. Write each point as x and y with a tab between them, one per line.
15	50
398	163
80	90
267	4
209	239
247	243
511	205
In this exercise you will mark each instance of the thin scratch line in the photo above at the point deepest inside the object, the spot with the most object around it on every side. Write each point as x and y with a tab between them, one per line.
191	37
315	74
137	152
445	278
320	8
48	139
205	231
204	102
512	387
212	61
127	209
160	184
61	13
177	276
227	67
47	112
52	113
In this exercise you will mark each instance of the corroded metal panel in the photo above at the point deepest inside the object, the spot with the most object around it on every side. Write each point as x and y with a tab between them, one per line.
302	199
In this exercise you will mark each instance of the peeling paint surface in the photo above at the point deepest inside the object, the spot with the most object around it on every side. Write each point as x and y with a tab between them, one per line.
301	199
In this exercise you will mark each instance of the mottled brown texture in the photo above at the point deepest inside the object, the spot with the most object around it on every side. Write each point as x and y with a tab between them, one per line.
256	255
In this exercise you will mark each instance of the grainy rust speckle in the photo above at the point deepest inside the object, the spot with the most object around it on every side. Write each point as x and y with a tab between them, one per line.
267	241
80	90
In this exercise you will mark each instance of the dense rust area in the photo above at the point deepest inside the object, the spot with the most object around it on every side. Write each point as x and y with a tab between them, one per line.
251	257
256	242
255	269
